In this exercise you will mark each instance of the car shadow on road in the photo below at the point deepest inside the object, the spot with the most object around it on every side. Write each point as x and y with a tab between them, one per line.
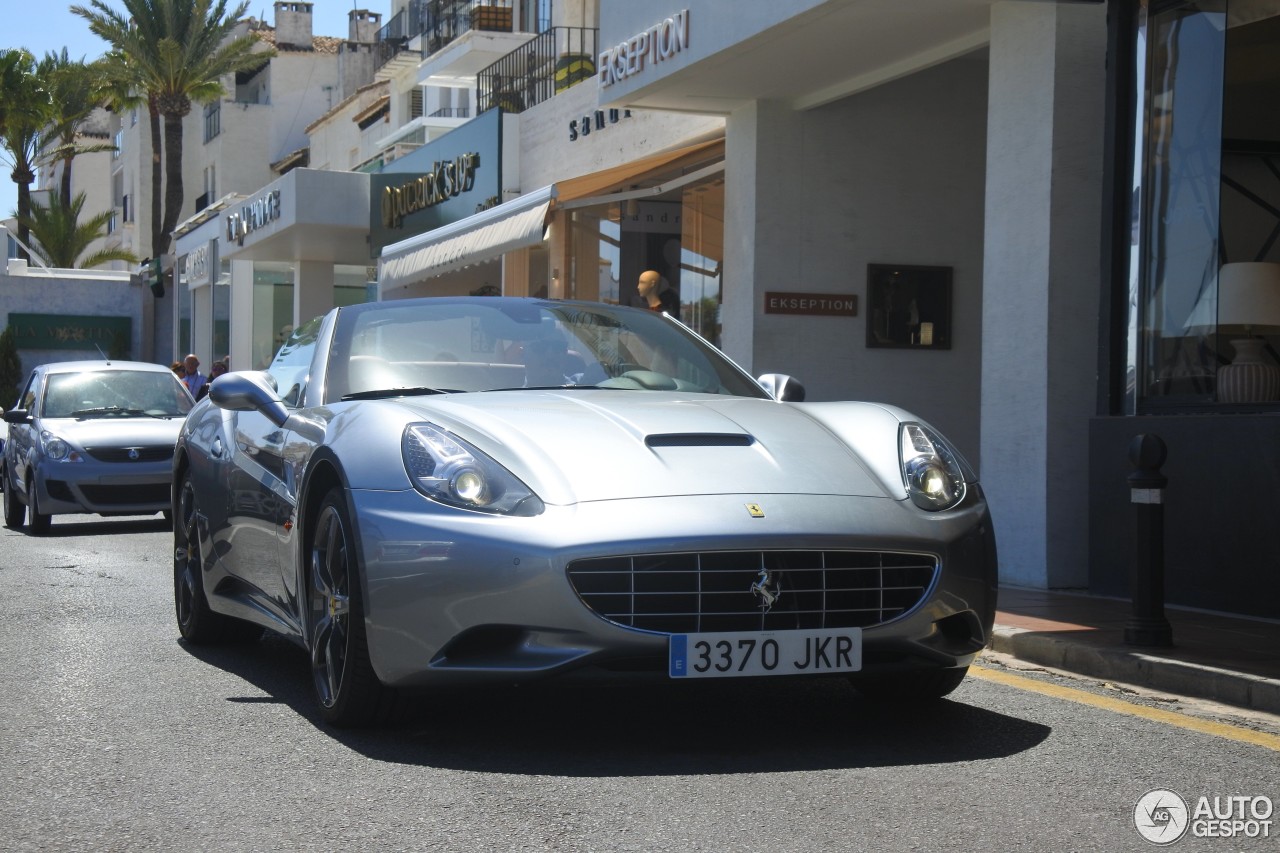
101	526
609	726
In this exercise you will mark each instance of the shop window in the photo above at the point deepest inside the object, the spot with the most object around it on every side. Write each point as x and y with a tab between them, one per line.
1206	198
679	235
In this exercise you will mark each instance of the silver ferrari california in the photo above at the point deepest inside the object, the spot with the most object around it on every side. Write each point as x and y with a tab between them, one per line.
448	491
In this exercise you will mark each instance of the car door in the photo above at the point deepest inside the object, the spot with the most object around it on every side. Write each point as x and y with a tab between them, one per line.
259	504
21	444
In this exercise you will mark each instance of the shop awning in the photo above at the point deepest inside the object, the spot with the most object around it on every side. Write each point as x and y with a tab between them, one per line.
522	222
482	237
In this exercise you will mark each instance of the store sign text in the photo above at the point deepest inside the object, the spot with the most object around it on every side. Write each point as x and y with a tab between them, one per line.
445	181
252	216
817	304
656	44
198	266
598	120
69	331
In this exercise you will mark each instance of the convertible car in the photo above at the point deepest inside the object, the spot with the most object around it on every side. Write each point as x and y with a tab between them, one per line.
452	491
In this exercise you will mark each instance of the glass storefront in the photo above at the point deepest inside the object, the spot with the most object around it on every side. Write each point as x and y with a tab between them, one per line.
1204	294
272	310
679	235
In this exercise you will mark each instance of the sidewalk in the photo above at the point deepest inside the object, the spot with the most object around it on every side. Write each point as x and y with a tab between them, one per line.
1214	656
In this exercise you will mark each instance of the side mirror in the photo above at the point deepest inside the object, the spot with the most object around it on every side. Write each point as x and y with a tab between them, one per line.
17	416
248	391
783	388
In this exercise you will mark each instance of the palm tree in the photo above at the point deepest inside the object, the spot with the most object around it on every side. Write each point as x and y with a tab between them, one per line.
62	239
77	90
179	51
25	109
123	85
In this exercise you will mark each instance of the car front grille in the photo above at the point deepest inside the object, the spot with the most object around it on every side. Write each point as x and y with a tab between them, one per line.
729	590
153	453
152	493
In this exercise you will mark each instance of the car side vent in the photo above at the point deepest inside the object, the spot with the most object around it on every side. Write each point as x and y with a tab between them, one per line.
699	439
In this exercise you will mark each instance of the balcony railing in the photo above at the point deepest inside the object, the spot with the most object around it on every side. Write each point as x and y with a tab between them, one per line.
439	22
553	61
451	112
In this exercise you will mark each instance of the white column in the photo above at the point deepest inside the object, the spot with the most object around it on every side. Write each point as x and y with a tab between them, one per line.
1041	284
312	290
241	315
202	326
761	236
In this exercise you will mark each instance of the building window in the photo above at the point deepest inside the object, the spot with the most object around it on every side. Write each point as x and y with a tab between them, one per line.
212	120
415	102
1206	198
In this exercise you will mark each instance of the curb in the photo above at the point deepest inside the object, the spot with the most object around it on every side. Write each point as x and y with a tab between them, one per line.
1190	679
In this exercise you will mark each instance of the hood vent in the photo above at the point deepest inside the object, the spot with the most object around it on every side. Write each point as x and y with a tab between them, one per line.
699	439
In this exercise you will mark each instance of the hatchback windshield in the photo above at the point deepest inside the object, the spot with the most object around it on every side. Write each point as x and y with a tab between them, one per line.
114	393
491	344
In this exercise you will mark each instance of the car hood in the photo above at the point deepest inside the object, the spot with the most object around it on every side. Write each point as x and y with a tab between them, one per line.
601	445
114	431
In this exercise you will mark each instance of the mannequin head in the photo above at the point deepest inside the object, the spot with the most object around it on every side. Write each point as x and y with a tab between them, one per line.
648	286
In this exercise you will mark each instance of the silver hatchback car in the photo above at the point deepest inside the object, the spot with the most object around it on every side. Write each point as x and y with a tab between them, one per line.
92	436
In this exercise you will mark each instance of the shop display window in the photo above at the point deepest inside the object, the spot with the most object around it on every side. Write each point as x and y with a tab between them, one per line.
1204	266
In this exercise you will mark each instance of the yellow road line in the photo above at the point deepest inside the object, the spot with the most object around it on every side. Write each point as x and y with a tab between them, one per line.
1071	694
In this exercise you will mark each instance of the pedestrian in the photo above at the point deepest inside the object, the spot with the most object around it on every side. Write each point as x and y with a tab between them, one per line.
178	370
194	379
218	368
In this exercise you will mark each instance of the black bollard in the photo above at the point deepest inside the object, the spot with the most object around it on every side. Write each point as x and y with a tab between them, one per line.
1147	626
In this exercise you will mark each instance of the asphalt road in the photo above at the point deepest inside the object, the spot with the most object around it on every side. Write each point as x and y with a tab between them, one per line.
116	736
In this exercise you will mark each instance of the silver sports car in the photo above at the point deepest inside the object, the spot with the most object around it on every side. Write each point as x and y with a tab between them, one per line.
91	436
450	491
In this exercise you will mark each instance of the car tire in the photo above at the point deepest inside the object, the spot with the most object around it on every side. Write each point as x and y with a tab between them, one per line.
37	522
347	689
921	686
198	624
15	512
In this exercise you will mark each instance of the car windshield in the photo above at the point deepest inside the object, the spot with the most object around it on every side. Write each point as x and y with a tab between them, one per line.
448	345
114	393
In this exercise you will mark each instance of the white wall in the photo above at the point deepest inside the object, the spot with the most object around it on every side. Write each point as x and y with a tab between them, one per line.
892	175
91	294
547	154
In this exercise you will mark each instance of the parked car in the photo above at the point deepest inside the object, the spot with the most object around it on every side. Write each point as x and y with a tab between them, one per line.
449	491
92	437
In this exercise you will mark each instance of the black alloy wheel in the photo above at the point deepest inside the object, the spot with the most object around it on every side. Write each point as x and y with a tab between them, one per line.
196	622
346	687
14	510
37	521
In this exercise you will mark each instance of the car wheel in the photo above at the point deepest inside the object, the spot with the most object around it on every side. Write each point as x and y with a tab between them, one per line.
346	687
14	511
196	622
920	686
37	521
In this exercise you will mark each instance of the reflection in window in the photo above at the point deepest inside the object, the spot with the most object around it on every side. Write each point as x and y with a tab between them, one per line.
272	310
1206	190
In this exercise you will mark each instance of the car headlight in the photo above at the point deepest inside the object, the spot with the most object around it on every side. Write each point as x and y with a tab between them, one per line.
56	449
934	473
445	468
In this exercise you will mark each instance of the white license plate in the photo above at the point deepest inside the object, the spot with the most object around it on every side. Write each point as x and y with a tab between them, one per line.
744	653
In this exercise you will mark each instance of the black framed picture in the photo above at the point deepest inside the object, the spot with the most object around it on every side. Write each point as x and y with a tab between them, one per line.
908	306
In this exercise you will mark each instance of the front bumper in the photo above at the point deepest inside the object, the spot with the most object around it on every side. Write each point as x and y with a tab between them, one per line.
103	487
456	597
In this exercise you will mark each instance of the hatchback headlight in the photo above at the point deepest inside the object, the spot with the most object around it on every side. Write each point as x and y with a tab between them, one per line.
445	468
935	475
56	449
